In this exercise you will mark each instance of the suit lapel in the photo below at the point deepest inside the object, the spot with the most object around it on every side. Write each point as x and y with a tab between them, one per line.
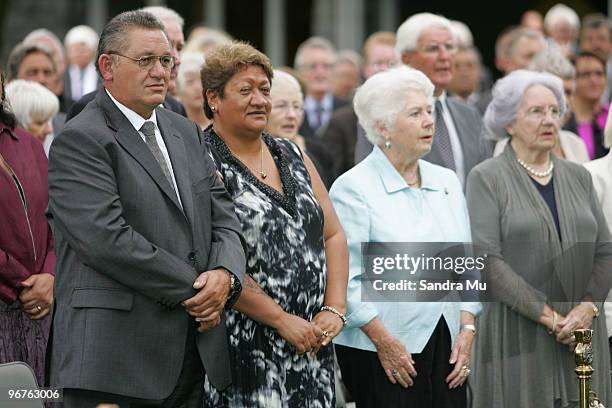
132	142
178	157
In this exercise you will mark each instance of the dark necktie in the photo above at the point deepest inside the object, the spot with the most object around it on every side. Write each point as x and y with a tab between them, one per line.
148	130
442	139
318	116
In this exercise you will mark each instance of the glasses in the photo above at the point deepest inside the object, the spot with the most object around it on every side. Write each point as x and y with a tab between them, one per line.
148	61
540	112
383	64
286	107
586	74
438	48
312	66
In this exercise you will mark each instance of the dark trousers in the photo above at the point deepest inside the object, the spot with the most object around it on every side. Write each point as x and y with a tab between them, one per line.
369	386
188	392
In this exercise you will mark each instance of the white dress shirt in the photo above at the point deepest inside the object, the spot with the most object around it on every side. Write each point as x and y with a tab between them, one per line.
82	81
137	121
454	139
310	107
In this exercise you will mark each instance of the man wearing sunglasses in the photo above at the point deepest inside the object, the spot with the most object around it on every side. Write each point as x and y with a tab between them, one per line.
149	248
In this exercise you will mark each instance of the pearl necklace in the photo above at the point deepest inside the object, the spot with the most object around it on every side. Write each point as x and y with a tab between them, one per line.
534	172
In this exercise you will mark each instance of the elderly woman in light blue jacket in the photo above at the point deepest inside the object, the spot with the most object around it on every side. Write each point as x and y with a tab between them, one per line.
401	353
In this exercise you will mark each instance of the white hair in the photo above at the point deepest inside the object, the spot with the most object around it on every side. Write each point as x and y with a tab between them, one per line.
312	42
165	15
559	13
29	98
462	33
190	62
283	79
382	97
409	32
508	94
82	34
553	60
349	56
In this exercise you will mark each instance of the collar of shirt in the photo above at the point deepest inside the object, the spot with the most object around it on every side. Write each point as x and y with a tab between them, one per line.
135	119
394	182
310	103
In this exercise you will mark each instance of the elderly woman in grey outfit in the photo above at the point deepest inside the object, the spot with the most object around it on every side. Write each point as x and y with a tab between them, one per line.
539	220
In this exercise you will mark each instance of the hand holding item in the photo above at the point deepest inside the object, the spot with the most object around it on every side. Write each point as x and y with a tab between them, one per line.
36	297
207	305
460	357
300	333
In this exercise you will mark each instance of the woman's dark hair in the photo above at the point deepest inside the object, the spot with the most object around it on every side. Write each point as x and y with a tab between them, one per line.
6	116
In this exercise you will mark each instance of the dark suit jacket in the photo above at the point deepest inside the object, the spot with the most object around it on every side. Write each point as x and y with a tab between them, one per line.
340	137
169	103
306	131
128	254
468	123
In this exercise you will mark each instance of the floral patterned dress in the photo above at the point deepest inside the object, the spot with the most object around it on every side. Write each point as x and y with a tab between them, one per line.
286	257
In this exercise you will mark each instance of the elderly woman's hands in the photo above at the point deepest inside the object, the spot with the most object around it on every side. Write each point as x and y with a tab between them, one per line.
460	357
300	333
394	358
580	317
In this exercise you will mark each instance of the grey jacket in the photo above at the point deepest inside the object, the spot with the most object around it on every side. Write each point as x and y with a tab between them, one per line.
128	253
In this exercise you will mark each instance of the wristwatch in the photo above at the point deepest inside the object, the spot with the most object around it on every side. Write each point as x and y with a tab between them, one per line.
234	292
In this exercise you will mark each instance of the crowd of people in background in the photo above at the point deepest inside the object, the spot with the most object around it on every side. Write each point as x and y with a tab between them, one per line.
415	138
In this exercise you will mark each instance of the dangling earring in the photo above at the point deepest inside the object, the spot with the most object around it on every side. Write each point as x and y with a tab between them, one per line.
387	144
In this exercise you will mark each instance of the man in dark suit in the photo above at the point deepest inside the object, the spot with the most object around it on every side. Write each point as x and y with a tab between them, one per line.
148	246
314	62
426	42
343	135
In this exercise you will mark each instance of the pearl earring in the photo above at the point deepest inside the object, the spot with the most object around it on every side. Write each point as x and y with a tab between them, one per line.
212	108
387	144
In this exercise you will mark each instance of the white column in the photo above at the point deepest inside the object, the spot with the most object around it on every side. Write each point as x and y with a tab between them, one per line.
275	31
214	14
349	24
387	19
97	14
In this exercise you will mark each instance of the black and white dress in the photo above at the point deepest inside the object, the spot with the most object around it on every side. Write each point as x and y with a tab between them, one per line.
286	257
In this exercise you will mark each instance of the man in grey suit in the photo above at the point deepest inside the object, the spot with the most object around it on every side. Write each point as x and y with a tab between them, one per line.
149	249
426	42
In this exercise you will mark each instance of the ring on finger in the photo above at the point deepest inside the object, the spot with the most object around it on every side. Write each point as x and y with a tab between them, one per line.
394	372
38	308
325	333
466	370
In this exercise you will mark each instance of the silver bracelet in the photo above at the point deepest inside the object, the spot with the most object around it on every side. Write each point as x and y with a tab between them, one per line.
336	312
469	327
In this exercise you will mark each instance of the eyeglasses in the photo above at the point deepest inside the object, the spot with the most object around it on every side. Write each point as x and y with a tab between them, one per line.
586	74
437	48
285	107
540	112
148	61
312	66
383	64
